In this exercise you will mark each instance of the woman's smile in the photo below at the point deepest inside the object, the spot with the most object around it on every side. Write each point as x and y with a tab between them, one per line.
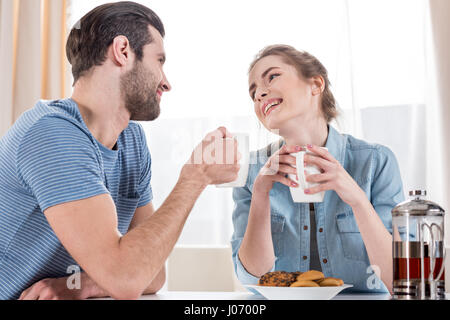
271	105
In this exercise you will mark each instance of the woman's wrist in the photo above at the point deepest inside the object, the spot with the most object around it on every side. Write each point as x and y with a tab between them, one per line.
261	187
360	203
260	196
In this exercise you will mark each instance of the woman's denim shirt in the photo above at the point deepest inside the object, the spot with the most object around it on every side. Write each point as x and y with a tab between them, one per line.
341	249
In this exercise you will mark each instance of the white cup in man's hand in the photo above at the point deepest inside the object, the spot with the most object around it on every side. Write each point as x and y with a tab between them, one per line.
243	141
298	194
215	159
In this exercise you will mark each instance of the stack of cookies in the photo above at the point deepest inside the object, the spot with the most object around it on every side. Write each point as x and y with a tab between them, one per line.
311	278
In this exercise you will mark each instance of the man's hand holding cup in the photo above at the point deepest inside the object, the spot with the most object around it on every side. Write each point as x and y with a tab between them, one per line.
215	160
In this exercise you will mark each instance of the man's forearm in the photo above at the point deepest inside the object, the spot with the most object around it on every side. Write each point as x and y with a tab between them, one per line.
144	250
90	289
125	265
157	283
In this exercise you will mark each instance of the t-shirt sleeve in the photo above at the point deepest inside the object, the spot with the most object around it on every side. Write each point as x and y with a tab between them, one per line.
57	162
145	188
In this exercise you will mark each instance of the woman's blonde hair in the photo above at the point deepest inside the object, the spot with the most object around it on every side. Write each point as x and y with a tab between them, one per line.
307	66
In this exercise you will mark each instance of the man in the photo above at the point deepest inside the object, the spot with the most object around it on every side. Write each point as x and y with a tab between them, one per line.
75	174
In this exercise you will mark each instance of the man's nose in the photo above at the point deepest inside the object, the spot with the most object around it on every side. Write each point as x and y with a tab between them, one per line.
165	85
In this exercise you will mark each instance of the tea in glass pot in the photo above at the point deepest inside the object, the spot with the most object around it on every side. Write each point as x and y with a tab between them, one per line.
418	249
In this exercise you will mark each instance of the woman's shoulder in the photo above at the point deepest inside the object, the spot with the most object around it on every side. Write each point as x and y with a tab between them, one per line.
365	159
362	147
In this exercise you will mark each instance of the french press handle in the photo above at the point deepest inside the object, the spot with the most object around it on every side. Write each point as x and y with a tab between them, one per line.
431	278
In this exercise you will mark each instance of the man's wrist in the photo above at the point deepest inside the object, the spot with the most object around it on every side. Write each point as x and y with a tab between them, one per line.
194	174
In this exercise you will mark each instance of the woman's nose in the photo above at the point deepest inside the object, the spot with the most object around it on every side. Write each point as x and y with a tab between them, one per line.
261	95
261	92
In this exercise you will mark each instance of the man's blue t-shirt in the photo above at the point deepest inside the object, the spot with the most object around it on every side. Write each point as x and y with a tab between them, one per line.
50	157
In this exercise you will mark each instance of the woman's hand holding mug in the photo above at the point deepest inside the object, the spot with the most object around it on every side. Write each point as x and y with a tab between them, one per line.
333	177
276	169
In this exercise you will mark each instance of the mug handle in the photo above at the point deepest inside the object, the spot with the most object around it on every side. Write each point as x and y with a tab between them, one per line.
300	164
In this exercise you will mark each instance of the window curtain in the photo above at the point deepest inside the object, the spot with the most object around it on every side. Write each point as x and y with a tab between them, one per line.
32	55
438	120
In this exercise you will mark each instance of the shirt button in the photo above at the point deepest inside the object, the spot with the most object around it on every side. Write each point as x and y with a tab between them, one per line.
305	228
305	257
325	260
321	230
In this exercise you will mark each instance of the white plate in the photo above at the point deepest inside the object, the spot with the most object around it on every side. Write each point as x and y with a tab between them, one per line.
299	293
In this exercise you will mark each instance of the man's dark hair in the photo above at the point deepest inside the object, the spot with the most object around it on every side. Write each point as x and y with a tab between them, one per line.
90	38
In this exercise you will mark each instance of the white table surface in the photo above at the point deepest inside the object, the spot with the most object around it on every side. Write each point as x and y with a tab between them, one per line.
194	295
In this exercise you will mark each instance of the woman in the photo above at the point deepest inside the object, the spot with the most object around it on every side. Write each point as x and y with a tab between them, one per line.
348	235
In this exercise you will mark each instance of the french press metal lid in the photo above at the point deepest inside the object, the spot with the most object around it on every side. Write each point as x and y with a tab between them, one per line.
418	206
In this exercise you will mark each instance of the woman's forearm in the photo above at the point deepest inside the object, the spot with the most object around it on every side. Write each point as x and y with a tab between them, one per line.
377	240
256	252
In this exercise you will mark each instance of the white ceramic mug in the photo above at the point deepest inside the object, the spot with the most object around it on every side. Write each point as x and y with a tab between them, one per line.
243	140
298	194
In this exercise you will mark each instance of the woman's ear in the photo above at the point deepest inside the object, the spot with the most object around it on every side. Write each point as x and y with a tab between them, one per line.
318	85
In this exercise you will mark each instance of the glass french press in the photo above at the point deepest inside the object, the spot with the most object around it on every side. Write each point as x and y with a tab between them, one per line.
418	249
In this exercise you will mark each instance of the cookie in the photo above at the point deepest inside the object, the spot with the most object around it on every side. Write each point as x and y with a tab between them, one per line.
331	282
311	275
278	279
304	283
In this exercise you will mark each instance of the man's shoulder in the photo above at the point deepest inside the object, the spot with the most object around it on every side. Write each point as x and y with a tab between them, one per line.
56	127
47	121
55	114
46	128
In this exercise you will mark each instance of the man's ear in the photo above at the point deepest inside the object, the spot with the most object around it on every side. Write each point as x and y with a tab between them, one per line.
318	85
121	51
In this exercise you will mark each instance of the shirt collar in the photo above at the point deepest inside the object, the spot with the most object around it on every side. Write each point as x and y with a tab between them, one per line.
336	144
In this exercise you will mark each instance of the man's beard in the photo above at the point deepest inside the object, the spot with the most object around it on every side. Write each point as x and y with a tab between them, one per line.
138	89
